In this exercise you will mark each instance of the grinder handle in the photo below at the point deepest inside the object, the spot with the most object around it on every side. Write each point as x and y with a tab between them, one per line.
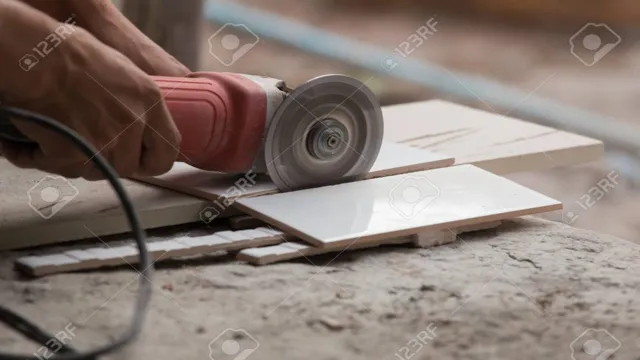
199	112
220	116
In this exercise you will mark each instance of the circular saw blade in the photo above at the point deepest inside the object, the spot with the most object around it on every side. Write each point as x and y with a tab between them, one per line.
328	130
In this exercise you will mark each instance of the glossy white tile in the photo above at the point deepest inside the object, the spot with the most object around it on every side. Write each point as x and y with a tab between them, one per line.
399	205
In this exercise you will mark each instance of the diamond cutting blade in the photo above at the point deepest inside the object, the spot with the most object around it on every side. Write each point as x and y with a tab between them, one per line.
327	131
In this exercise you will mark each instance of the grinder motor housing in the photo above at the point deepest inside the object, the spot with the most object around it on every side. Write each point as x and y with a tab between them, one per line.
222	117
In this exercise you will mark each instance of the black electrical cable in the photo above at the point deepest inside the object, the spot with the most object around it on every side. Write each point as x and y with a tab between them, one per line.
32	331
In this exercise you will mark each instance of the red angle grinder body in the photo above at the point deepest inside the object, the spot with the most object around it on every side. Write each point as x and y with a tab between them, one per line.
222	117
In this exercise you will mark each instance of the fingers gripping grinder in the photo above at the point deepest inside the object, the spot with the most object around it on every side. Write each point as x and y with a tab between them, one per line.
326	131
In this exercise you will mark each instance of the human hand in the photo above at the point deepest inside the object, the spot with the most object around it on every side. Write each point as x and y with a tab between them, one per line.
104	21
93	89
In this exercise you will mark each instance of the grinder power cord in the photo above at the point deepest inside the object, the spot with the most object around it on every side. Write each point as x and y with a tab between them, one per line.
32	331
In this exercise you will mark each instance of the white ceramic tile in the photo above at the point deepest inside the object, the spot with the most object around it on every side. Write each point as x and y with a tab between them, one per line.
488	140
160	250
270	231
103	253
206	240
281	252
276	250
397	205
392	159
165	246
81	255
396	159
49	260
234	235
256	234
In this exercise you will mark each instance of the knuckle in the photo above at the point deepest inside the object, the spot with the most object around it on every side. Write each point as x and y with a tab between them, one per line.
124	165
165	166
151	92
157	168
126	168
157	164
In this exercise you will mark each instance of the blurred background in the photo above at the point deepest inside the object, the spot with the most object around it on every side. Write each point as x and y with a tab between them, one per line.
580	53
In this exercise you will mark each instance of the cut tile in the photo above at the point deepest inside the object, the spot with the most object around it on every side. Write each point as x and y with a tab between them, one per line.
94	258
39	265
164	246
392	159
203	241
104	256
270	231
296	249
280	252
396	206
234	235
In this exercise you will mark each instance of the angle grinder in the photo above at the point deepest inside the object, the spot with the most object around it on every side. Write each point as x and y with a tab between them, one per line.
326	131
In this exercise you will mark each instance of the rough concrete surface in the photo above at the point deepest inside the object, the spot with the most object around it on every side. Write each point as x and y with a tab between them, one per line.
526	290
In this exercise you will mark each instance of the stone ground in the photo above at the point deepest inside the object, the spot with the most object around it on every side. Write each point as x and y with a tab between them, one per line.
527	290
